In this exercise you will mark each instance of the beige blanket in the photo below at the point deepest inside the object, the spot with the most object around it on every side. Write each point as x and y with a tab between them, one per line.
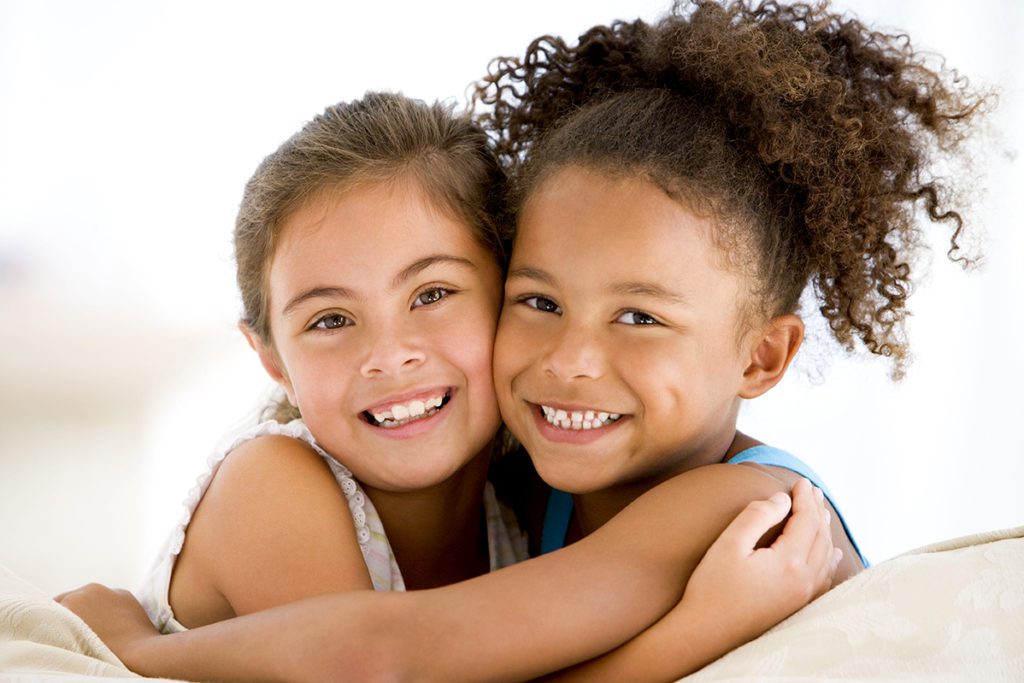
953	611
41	641
949	612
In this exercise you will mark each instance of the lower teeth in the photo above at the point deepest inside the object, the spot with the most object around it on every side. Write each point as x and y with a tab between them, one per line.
580	427
391	424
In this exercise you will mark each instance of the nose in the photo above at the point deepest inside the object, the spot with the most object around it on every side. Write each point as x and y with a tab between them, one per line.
392	351
574	353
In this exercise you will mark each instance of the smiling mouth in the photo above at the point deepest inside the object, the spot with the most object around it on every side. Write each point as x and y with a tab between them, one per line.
401	414
577	420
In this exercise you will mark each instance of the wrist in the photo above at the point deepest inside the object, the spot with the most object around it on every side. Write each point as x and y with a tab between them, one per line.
137	653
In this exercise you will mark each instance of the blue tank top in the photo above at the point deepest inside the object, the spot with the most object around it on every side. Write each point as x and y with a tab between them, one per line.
560	505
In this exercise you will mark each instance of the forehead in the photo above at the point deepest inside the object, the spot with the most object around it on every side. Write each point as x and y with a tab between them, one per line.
360	234
615	226
393	209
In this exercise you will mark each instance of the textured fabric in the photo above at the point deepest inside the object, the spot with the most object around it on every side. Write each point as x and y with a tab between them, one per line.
946	613
506	544
42	641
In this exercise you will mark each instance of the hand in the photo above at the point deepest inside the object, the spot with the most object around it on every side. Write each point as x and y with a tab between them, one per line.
115	615
759	587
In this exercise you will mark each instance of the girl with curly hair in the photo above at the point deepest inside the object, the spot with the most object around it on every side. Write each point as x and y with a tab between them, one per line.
676	188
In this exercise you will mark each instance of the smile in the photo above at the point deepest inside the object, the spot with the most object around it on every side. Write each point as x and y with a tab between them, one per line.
577	420
401	414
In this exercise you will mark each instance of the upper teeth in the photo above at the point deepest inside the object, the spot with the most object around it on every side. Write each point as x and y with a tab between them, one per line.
578	419
404	411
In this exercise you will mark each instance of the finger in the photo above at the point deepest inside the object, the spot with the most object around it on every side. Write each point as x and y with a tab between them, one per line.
755	520
830	573
819	554
825	555
63	596
826	574
804	524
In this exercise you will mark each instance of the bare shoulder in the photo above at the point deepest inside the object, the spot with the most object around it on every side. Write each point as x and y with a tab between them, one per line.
274	476
273	459
273	527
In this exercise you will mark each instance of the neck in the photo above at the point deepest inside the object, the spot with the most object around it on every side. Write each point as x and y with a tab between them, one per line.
593	510
438	534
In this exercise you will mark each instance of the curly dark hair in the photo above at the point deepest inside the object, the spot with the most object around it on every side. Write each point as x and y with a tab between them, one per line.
812	137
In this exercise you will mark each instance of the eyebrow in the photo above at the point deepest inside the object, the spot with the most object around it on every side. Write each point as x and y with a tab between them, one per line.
422	264
531	273
318	293
649	289
345	293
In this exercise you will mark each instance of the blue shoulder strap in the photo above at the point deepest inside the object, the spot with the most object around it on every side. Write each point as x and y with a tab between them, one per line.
774	457
556	521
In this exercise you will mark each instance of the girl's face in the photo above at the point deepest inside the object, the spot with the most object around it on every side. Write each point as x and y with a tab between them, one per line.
383	312
618	357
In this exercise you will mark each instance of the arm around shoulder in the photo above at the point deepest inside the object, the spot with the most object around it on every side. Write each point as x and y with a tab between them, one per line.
517	623
739	590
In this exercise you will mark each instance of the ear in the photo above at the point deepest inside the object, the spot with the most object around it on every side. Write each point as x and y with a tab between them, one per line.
773	350
268	358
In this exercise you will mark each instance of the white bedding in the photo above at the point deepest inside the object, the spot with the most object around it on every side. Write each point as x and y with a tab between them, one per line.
41	641
949	612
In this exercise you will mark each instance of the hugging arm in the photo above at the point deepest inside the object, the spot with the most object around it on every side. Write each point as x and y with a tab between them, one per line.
737	592
524	621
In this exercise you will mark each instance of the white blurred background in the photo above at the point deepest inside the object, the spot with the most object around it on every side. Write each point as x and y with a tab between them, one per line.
127	131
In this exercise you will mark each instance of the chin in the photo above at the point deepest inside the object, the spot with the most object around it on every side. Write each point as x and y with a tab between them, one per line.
411	481
428	474
568	479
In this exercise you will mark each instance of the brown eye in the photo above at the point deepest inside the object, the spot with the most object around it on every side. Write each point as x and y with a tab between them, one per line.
333	321
636	318
431	296
542	304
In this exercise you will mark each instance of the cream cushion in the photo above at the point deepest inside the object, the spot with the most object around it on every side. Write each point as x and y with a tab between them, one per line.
953	611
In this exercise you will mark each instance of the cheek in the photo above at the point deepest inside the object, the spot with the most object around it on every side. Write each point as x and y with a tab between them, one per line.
659	373
683	379
467	341
511	354
471	348
320	376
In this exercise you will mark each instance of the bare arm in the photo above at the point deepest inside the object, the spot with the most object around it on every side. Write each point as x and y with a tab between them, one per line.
521	622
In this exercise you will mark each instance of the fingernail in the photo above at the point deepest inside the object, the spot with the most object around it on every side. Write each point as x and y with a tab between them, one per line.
779	498
837	556
828	518
818	494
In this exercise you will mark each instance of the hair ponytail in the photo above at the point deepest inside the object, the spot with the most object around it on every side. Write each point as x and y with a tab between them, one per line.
813	137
